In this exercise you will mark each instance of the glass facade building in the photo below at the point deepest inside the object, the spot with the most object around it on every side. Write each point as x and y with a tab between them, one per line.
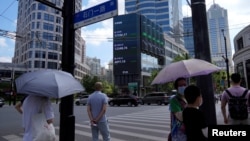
138	45
188	36
218	21
166	13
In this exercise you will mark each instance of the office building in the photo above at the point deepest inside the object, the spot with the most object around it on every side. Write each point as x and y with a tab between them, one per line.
188	36
139	48
95	66
41	28
241	56
166	13
218	29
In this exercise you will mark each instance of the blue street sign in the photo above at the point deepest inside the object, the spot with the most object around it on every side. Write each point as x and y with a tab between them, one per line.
95	14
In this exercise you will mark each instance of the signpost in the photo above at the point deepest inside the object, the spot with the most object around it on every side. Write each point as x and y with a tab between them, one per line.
95	14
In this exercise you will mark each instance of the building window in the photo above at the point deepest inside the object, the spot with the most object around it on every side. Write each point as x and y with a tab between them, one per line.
30	54
40	54
240	43
33	16
48	26
53	46
52	55
33	6
58	20
47	36
39	64
39	15
41	7
33	25
52	65
58	29
58	38
248	73
38	25
48	17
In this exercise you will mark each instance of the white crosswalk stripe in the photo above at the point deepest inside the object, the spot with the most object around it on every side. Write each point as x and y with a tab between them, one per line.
12	138
149	125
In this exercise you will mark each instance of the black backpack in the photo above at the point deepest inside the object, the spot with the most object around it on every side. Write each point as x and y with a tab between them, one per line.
237	106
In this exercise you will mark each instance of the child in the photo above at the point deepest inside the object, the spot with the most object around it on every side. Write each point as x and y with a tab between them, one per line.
193	118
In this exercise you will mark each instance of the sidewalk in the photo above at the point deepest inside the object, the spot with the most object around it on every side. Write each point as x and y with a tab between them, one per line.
219	115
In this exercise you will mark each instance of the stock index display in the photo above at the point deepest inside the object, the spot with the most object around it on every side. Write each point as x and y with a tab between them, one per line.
126	44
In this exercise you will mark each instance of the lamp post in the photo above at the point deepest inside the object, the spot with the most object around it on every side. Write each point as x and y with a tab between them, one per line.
226	58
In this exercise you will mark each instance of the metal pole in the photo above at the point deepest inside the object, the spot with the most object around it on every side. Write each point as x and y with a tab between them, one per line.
11	81
67	118
202	51
226	59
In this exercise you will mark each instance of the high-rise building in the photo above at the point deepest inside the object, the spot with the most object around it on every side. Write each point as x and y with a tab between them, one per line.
166	13
95	66
139	48
188	36
41	27
218	29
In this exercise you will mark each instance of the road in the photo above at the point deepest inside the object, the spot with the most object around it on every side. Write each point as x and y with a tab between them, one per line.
142	123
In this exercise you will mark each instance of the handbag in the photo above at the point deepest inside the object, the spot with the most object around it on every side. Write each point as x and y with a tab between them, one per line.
41	130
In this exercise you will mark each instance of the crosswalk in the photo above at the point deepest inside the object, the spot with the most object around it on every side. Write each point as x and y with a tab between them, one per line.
149	125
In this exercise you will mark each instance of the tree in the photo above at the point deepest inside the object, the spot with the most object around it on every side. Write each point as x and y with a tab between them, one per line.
219	79
89	82
168	87
107	88
180	57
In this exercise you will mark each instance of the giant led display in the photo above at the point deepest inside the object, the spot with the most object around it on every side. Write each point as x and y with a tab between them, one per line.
126	46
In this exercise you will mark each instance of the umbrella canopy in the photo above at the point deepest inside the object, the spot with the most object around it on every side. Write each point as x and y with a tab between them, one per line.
49	83
184	68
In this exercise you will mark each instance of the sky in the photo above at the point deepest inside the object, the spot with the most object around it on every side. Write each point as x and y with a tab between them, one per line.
98	36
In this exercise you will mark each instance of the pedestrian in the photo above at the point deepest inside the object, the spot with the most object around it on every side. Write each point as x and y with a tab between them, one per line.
33	105
236	90
193	118
96	108
177	104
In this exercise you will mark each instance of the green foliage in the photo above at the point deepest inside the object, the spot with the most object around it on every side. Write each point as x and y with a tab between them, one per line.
153	75
180	57
167	87
217	78
89	82
107	88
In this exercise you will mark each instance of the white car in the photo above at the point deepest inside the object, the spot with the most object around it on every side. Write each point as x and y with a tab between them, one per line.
82	100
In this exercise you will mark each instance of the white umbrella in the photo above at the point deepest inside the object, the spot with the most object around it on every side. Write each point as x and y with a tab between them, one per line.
184	68
49	83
